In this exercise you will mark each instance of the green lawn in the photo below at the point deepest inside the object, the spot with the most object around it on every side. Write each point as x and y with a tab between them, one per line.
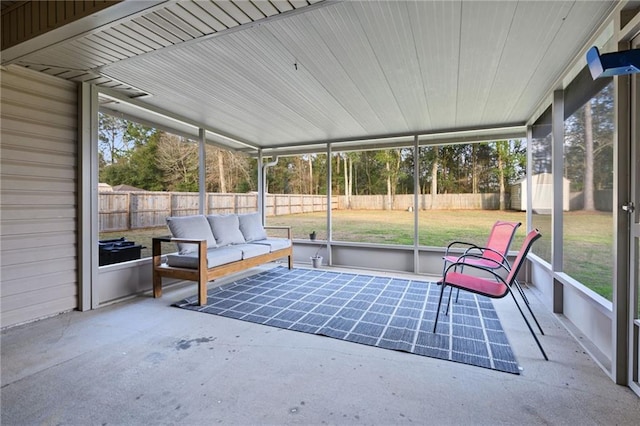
588	237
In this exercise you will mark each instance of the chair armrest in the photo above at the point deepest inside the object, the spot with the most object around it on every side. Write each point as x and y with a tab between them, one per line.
467	266
483	249
282	228
462	261
463	243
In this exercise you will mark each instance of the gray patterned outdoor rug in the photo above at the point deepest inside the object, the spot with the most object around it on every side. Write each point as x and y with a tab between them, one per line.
386	312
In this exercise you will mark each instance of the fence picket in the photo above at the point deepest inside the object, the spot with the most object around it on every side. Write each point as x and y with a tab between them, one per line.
124	210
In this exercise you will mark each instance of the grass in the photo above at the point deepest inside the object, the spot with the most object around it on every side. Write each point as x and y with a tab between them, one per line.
437	227
588	237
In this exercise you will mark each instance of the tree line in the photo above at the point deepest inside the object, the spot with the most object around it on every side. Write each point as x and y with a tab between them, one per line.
588	152
150	159
155	160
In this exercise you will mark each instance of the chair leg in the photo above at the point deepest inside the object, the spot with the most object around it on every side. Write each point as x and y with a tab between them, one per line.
526	302
449	300
457	290
529	326
524	296
435	324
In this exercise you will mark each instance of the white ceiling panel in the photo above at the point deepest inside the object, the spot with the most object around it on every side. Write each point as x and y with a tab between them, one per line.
525	44
436	29
484	33
388	30
578	23
280	73
362	89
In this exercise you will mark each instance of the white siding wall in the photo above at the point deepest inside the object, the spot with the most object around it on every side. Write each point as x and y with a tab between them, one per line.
38	202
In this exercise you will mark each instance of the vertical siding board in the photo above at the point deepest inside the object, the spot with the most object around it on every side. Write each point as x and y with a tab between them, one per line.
27	21
35	19
80	5
20	21
50	11
13	30
61	13
5	29
44	16
42	241
69	11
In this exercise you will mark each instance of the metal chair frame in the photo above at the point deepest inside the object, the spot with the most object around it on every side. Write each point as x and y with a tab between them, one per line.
494	287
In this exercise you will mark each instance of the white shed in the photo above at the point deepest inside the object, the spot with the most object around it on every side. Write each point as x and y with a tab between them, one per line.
542	184
104	187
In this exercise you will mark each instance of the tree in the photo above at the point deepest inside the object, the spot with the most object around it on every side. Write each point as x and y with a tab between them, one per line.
110	137
502	149
434	174
588	147
178	160
588	159
135	165
228	171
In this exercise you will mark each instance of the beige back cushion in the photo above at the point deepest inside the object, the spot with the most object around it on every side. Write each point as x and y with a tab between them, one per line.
226	229
193	227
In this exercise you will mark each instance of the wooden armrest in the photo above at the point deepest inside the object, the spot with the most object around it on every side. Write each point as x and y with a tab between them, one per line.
188	240
164	238
285	228
156	242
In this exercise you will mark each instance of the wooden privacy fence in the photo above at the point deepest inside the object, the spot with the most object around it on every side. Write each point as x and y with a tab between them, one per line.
489	201
122	211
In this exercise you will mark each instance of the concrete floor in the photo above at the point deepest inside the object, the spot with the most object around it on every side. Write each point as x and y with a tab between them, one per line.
144	362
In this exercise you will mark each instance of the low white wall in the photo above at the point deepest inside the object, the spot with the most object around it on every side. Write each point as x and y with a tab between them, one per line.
588	318
122	280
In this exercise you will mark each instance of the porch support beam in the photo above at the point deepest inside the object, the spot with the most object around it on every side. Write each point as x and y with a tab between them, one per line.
329	211
202	171
87	197
621	337
261	188
416	200
557	147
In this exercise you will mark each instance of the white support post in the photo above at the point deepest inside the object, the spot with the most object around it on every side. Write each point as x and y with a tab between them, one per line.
529	178
416	200
557	165
202	172
261	188
329	212
88	197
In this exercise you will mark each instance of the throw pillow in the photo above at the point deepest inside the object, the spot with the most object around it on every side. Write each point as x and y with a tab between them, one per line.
251	227
226	229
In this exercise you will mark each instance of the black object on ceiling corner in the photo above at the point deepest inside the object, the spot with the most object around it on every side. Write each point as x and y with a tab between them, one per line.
615	63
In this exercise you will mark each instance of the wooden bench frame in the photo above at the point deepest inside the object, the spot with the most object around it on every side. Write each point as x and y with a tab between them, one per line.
202	275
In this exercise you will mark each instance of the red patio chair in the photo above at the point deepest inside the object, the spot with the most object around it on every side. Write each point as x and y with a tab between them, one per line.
491	284
492	256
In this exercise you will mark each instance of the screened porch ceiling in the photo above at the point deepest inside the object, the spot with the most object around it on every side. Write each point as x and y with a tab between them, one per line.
293	75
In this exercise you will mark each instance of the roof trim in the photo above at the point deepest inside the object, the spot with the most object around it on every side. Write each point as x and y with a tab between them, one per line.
516	131
181	121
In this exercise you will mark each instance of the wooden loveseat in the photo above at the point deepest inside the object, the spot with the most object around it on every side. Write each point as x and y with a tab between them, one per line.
210	247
